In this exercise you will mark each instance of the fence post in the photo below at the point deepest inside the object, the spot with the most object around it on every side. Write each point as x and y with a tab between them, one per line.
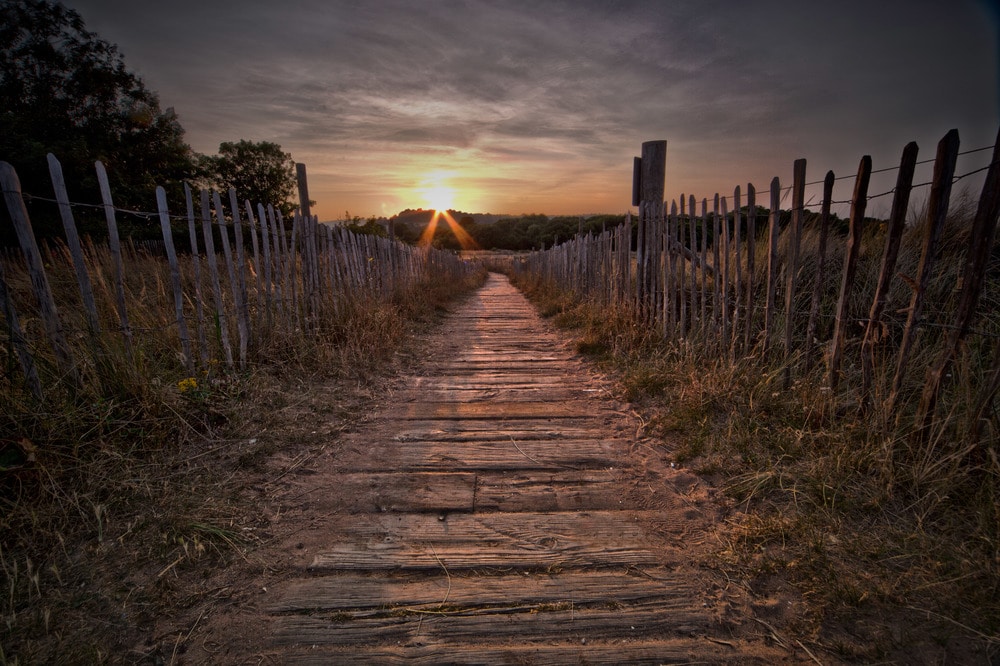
242	303
858	205
703	246
894	234
175	278
114	243
651	188
817	295
682	294
772	261
937	212
265	242
717	303
11	185
199	306
213	270
737	293
234	284
751	260
973	277
724	340
73	241
792	265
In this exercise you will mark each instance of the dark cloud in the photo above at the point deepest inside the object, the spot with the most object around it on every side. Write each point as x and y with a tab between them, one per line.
523	99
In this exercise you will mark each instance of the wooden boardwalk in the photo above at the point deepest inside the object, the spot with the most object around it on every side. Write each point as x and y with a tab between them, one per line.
490	517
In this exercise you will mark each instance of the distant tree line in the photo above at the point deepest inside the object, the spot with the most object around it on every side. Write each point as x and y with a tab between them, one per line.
536	231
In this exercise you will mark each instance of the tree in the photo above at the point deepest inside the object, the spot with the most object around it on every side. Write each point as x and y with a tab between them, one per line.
65	91
259	171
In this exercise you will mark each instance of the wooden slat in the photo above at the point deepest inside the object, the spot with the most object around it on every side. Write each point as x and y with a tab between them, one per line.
509	454
548	491
562	624
646	653
427	410
488	431
411	492
356	592
456	541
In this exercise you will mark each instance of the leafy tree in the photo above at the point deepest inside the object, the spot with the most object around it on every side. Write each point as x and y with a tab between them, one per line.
370	226
65	91
259	171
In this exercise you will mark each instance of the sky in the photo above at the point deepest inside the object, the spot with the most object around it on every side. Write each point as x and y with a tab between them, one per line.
538	106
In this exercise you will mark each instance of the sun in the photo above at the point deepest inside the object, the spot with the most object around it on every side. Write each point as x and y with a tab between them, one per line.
439	197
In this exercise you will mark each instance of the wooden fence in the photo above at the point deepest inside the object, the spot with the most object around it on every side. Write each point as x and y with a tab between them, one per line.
275	279
715	278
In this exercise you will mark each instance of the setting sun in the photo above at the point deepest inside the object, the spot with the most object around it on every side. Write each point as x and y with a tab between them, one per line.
440	197
436	190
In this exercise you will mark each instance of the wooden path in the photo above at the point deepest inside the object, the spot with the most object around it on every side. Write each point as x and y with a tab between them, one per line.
487	519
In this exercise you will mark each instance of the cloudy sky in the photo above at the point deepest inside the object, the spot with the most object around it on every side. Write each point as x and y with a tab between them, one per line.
539	106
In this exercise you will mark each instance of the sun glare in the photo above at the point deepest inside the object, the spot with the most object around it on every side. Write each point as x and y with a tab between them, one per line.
440	197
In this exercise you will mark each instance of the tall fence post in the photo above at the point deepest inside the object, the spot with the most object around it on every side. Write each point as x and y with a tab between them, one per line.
652	183
937	212
772	261
817	295
11	185
175	279
751	260
114	243
973	278
73	241
792	263
858	205
894	235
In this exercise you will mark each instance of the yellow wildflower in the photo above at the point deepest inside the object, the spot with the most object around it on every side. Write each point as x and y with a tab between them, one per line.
187	384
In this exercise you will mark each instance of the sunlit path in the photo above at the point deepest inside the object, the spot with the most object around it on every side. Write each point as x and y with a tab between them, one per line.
489	514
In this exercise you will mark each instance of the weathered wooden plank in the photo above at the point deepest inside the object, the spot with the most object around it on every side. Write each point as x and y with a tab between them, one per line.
426	409
406	491
550	491
489	431
486	379
554	392
510	454
469	541
645	653
560	623
355	592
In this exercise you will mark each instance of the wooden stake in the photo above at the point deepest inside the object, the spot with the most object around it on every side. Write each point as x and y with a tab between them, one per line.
772	261
11	185
73	241
114	243
858	205
175	279
937	211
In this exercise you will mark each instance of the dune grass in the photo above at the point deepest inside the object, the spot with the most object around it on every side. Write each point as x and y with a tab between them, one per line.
892	538
113	488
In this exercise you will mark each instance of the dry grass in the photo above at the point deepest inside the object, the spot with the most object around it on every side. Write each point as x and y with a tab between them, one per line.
117	491
892	538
